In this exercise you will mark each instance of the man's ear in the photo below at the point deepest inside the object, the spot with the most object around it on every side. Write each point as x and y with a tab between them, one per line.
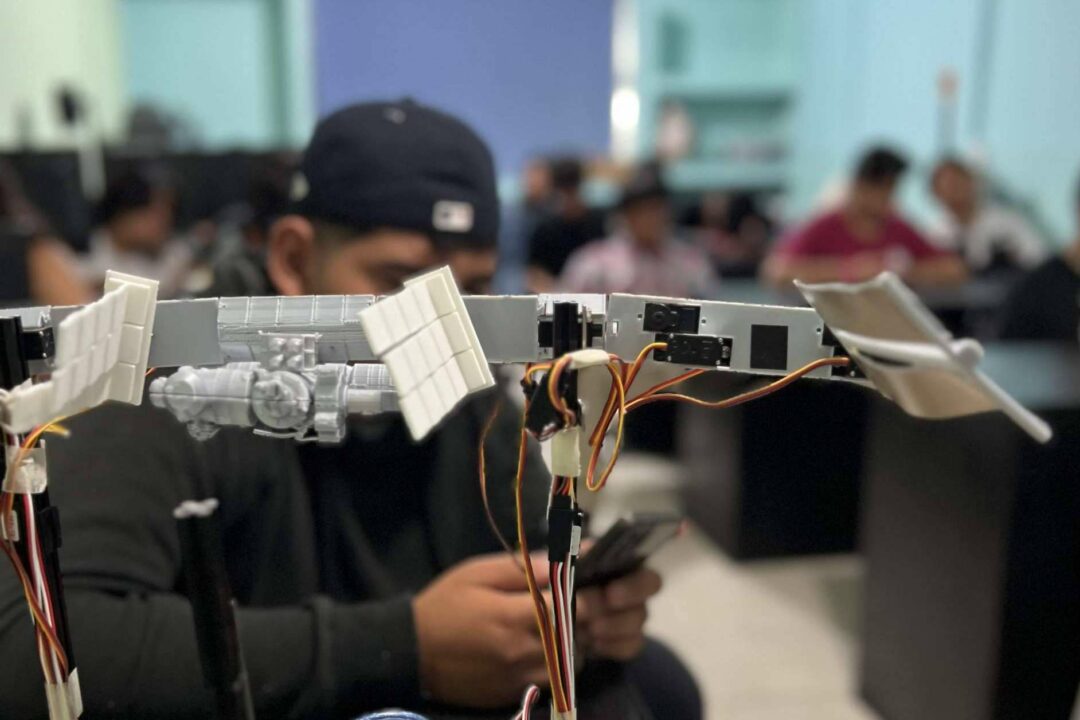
290	258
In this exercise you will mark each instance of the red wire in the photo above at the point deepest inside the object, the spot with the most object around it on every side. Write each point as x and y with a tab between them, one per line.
559	601
46	600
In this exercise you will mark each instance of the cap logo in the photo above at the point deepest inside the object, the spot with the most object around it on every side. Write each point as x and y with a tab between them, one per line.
452	216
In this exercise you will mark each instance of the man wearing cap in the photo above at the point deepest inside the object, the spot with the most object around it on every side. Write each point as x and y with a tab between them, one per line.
366	574
643	256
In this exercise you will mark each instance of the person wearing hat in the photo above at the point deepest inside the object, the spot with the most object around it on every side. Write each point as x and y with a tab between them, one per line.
366	574
571	224
643	256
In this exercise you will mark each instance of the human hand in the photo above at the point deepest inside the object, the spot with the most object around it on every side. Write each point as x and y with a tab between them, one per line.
611	618
476	630
863	266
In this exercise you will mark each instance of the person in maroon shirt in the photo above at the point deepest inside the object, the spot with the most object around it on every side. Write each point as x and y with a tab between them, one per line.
863	237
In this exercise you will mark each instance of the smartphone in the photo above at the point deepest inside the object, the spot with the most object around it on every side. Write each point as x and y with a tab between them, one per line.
625	547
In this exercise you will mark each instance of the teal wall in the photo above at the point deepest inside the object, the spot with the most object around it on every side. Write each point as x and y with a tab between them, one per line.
733	65
236	70
844	73
1033	108
868	72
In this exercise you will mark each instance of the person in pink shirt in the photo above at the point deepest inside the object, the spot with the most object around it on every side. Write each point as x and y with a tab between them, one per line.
863	237
644	255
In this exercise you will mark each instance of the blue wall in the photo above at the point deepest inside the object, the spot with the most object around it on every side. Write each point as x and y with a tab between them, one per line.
529	76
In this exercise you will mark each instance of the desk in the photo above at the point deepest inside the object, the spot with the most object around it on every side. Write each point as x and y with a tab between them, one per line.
782	476
971	534
779	476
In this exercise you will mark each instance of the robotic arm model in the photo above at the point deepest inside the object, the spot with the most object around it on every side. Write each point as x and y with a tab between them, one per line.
297	367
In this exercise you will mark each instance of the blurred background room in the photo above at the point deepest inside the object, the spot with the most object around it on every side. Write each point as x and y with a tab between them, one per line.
844	562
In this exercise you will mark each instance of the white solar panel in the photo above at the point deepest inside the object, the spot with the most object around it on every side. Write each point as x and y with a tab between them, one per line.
101	354
426	339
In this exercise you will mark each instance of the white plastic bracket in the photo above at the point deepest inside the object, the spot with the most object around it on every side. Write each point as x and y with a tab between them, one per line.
589	357
65	699
909	355
30	477
566	452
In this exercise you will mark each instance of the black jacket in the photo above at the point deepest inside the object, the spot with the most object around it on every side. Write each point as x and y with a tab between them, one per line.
326	620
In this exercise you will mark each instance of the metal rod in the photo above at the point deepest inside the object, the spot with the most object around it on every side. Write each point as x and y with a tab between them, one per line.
214	609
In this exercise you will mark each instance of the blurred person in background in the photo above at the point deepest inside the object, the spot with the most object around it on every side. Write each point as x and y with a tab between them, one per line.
571	225
1045	305
519	220
134	234
864	236
36	266
735	233
989	237
643	256
241	270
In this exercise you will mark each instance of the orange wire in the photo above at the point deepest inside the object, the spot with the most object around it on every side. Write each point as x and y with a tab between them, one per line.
547	633
42	626
629	375
635	367
482	468
552	389
559	696
590	482
596	440
744	397
40	622
669	383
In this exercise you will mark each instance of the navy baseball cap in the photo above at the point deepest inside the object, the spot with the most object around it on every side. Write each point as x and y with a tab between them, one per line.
400	165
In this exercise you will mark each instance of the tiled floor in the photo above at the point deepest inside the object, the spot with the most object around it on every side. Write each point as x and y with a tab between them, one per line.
772	640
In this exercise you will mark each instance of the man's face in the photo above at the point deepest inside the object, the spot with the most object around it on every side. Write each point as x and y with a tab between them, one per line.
648	221
874	199
340	263
144	229
537	184
473	269
954	189
373	264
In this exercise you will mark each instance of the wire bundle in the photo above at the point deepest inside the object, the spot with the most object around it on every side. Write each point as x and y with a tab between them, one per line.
532	694
555	622
35	585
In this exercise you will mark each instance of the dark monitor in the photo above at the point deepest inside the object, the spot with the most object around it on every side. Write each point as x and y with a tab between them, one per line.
14	277
51	182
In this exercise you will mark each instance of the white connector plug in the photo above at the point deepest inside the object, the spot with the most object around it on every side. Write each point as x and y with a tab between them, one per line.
65	699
